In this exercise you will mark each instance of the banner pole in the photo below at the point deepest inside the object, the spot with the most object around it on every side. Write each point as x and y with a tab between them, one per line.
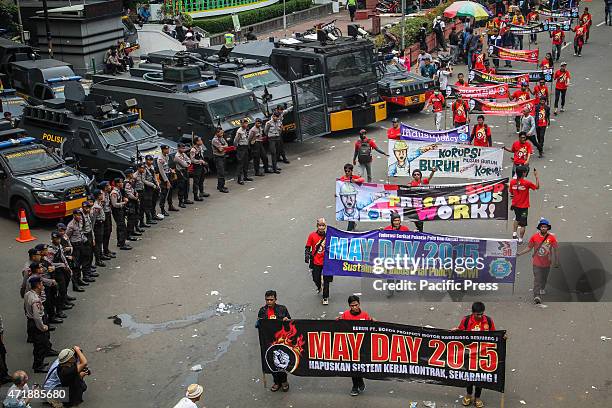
265	382
503	400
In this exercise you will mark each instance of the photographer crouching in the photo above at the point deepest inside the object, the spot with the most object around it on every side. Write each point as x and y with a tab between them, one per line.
71	371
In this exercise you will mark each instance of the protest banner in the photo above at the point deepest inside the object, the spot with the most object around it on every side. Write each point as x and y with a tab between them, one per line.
478	106
560	13
450	160
534	75
523	30
456	135
458	263
508	54
454	202
564	25
513	81
484	92
380	350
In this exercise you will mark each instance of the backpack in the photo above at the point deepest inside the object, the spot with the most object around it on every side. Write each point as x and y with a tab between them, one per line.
364	154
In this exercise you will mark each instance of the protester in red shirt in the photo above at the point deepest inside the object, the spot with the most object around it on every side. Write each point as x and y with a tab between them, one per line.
461	80
355	313
460	111
547	62
558	39
481	133
315	255
487	68
562	76
437	101
363	154
417	180
540	91
350	178
478	61
394	131
533	18
522	151
273	311
542	117
396	223
522	94
545	250
519	190
477	321
580	31
586	20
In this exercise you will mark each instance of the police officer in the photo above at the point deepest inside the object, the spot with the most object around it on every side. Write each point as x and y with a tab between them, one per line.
281	145
68	253
38	331
131	208
108	220
165	176
151	191
182	163
97	218
74	233
139	187
274	130
88	248
241	141
256	139
118	203
55	255
219	145
196	155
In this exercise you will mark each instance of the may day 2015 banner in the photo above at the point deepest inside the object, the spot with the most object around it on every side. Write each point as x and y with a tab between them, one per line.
484	92
534	75
456	135
500	108
449	160
454	202
380	350
457	262
513	81
530	56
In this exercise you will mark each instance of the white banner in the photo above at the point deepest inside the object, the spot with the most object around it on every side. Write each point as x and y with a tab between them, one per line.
450	160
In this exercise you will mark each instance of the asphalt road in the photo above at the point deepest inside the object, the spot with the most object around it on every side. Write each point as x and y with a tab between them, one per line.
233	247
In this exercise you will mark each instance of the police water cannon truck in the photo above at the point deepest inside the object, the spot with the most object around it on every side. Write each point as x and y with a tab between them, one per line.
34	179
101	136
270	89
178	101
402	88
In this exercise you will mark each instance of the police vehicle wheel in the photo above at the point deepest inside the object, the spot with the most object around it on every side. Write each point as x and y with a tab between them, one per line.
416	108
18	206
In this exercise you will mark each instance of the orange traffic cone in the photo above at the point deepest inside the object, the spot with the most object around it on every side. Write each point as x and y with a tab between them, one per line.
24	229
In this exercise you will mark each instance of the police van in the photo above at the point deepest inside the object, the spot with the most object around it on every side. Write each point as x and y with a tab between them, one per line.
35	180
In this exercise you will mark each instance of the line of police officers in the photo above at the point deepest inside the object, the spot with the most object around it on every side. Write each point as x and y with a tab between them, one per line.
77	249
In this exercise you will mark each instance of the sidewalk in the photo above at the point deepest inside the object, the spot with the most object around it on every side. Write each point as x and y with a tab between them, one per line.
342	21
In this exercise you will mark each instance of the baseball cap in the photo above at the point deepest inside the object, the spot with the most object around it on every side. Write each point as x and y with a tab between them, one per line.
76	211
564	63
129	171
395	120
34	280
86	204
55	234
61	226
103	184
40	247
164	146
148	157
65	355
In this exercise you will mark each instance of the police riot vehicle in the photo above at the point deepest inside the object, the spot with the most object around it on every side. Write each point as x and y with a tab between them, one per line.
11	102
270	89
179	102
348	89
37	181
103	137
401	88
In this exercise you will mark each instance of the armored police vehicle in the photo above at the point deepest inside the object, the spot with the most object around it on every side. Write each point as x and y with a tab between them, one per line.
37	181
103	137
269	87
178	101
39	80
401	88
341	69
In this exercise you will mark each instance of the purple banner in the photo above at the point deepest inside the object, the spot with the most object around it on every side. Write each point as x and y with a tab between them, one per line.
414	256
457	135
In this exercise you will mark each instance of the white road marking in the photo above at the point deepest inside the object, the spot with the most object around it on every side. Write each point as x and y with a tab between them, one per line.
600	24
565	46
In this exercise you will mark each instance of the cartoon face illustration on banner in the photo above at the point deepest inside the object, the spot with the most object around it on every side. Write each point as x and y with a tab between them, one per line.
490	49
401	167
471	76
348	197
472	104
